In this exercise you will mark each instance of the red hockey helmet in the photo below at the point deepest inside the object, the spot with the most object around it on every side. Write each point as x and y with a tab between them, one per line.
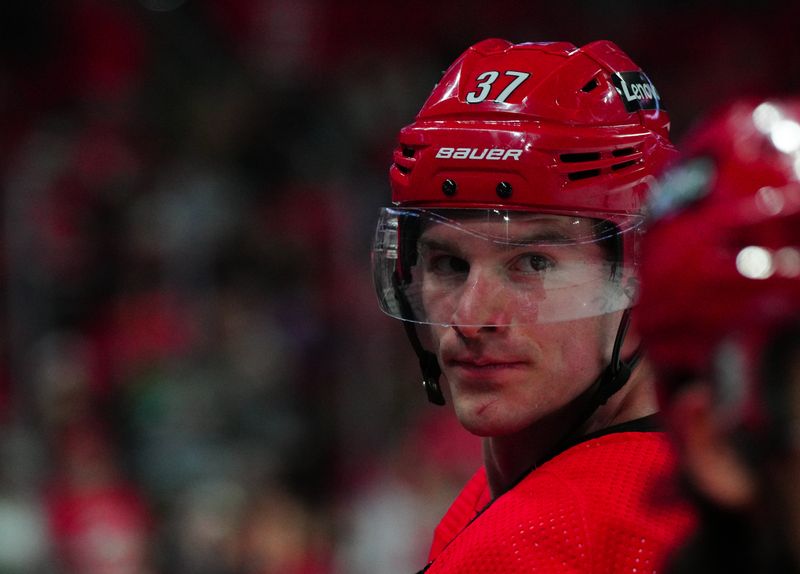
721	259
541	136
510	130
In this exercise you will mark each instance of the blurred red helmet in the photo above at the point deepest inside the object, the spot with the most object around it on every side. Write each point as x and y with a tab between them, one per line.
721	257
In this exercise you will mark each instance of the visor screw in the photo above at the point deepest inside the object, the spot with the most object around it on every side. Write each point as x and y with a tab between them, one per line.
504	189
449	187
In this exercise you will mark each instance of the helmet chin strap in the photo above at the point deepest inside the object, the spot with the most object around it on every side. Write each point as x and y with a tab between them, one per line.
611	380
618	371
429	365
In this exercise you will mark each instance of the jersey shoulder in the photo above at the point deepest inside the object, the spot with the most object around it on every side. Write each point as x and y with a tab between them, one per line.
594	507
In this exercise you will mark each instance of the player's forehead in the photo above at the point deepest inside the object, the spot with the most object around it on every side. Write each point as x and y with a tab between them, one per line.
510	228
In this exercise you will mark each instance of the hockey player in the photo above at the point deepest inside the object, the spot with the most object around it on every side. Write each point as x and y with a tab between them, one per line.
510	255
720	314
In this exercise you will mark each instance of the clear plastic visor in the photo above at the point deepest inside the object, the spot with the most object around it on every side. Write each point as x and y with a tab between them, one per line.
488	267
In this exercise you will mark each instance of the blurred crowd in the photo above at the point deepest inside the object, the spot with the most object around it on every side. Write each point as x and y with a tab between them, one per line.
194	375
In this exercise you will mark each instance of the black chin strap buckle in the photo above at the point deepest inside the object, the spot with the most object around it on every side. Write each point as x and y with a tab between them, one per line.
430	377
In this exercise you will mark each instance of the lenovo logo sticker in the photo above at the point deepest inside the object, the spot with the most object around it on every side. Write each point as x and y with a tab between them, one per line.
477	153
637	91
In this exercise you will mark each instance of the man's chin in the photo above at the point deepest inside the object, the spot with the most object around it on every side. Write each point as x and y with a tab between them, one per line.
486	420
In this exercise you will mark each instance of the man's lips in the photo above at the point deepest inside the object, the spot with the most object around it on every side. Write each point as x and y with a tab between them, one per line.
483	364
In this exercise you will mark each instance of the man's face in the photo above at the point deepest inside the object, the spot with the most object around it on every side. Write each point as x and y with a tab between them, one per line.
508	362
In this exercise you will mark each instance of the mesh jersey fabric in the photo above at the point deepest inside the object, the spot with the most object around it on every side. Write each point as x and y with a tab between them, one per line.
603	506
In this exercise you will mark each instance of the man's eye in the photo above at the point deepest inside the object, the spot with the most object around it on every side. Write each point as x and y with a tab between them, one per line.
449	265
533	263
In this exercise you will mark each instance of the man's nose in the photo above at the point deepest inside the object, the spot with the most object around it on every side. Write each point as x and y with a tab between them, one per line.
484	304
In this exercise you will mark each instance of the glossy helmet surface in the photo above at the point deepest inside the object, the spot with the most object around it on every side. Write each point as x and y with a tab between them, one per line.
721	258
567	129
533	127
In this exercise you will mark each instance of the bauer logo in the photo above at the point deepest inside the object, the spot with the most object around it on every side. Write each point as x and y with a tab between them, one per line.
478	153
637	91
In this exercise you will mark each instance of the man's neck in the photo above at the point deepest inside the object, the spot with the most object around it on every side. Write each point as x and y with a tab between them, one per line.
507	458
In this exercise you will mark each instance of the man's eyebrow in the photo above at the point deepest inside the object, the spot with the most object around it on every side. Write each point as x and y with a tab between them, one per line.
551	236
557	236
428	243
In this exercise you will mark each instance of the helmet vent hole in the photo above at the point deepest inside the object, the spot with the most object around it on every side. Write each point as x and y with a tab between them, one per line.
402	169
590	85
586	173
624	164
504	189
408	151
579	157
623	151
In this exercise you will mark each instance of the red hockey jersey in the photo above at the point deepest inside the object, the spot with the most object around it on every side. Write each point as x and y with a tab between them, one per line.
601	506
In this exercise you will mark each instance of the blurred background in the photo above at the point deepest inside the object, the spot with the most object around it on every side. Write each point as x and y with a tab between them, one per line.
194	375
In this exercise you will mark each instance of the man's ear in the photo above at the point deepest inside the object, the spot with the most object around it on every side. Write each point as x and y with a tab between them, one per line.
710	458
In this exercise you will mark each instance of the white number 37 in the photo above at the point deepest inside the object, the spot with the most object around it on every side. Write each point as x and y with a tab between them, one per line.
487	79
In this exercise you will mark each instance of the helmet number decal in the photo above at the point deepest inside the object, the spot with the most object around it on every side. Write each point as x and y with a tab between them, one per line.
487	79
